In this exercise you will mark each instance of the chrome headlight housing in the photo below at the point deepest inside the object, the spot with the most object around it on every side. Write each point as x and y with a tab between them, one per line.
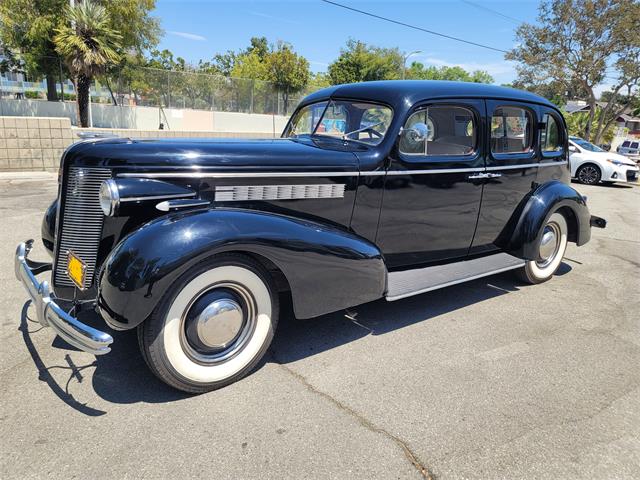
109	197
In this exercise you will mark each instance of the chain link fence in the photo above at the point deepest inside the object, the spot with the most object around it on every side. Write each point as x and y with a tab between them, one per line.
160	88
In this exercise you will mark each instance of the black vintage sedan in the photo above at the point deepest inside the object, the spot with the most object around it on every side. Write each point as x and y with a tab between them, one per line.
375	190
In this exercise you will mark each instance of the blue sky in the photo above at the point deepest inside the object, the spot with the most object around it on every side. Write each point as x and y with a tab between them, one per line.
199	29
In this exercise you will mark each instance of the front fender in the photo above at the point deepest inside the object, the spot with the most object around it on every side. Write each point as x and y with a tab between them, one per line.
327	268
521	235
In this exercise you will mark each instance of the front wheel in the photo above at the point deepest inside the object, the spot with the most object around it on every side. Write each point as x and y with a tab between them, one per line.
213	326
589	174
553	244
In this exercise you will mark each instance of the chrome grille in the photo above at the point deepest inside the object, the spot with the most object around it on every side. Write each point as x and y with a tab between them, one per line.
82	219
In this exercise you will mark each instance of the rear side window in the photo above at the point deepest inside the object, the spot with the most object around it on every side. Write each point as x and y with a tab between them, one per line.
626	143
511	130
551	136
439	130
634	145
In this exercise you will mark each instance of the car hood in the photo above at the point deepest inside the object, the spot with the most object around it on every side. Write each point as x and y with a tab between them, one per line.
191	154
603	156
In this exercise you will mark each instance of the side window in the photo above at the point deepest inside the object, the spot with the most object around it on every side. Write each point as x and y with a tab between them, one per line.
376	117
335	120
511	130
551	136
439	130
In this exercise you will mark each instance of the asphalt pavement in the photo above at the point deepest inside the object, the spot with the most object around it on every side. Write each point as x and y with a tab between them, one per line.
491	380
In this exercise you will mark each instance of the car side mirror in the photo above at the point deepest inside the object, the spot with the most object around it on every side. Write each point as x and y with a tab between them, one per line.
572	149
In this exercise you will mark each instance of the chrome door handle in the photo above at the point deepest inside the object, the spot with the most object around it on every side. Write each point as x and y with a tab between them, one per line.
494	175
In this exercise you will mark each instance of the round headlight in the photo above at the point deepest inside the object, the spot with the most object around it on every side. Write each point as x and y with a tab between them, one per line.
109	197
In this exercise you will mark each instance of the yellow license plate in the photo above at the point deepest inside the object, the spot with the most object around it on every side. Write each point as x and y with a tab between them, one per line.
75	270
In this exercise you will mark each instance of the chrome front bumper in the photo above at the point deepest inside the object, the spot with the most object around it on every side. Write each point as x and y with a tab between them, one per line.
50	314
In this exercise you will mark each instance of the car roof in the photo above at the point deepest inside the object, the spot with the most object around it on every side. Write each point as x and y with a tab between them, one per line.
395	92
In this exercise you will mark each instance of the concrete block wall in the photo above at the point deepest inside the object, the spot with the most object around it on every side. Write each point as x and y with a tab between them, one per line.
37	143
33	143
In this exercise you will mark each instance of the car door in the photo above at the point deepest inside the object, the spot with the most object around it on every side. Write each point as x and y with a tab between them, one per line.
431	196
512	165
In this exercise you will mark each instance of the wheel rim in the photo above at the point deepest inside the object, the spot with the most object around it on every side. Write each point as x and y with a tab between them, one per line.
218	323
549	244
588	174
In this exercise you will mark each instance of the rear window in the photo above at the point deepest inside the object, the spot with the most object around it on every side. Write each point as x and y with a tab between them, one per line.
551	136
634	145
445	130
511	130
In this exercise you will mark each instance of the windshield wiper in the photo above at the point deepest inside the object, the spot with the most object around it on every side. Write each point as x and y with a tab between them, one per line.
363	129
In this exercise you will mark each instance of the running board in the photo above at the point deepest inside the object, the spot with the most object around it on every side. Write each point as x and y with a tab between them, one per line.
420	280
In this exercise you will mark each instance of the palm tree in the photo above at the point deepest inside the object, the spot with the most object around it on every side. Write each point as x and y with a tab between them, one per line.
88	45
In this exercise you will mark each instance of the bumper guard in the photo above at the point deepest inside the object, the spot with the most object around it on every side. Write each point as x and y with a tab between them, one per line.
49	313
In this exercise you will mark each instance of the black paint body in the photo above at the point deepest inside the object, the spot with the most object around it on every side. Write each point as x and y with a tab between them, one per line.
333	252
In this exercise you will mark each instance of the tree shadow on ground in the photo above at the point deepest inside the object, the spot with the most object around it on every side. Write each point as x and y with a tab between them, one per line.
122	376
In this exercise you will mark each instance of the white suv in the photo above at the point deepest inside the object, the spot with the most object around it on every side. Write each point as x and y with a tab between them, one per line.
591	164
630	148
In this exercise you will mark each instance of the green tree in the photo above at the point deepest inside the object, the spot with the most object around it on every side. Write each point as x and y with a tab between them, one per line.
88	45
318	81
27	29
419	72
577	123
287	71
583	43
359	62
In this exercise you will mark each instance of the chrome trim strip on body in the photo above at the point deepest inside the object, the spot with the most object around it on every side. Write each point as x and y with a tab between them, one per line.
528	165
431	171
158	197
218	174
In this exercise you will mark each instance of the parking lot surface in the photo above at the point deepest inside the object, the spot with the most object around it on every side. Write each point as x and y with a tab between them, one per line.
491	379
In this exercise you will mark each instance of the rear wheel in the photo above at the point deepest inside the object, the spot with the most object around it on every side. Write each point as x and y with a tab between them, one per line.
213	326
589	174
553	244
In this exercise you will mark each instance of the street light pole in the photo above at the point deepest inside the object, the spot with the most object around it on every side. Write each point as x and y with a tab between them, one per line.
404	61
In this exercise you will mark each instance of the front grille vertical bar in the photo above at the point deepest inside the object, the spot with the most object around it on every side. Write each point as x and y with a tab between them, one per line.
82	220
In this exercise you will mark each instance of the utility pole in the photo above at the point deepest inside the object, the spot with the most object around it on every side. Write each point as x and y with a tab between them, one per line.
404	61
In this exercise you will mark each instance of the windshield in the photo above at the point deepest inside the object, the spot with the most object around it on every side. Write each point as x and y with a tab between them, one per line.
343	119
586	145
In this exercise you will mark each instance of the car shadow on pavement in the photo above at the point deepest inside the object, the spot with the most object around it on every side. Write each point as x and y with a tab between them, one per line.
298	339
123	377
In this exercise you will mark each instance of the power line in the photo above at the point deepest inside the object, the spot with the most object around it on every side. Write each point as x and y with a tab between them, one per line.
482	7
397	22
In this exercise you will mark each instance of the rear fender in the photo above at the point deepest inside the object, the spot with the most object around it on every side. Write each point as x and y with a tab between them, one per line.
521	236
327	268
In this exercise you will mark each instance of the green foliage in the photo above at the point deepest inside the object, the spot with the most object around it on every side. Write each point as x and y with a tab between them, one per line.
418	71
286	70
577	125
26	30
88	45
359	62
318	81
580	45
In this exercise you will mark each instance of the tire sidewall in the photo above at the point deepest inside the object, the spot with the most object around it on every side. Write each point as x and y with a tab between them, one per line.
539	274
166	324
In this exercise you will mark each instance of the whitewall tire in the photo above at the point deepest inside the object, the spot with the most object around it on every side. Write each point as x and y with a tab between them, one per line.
213	326
551	249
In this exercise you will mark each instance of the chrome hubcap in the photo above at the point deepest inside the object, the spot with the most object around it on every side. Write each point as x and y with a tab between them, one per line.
549	244
219	323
